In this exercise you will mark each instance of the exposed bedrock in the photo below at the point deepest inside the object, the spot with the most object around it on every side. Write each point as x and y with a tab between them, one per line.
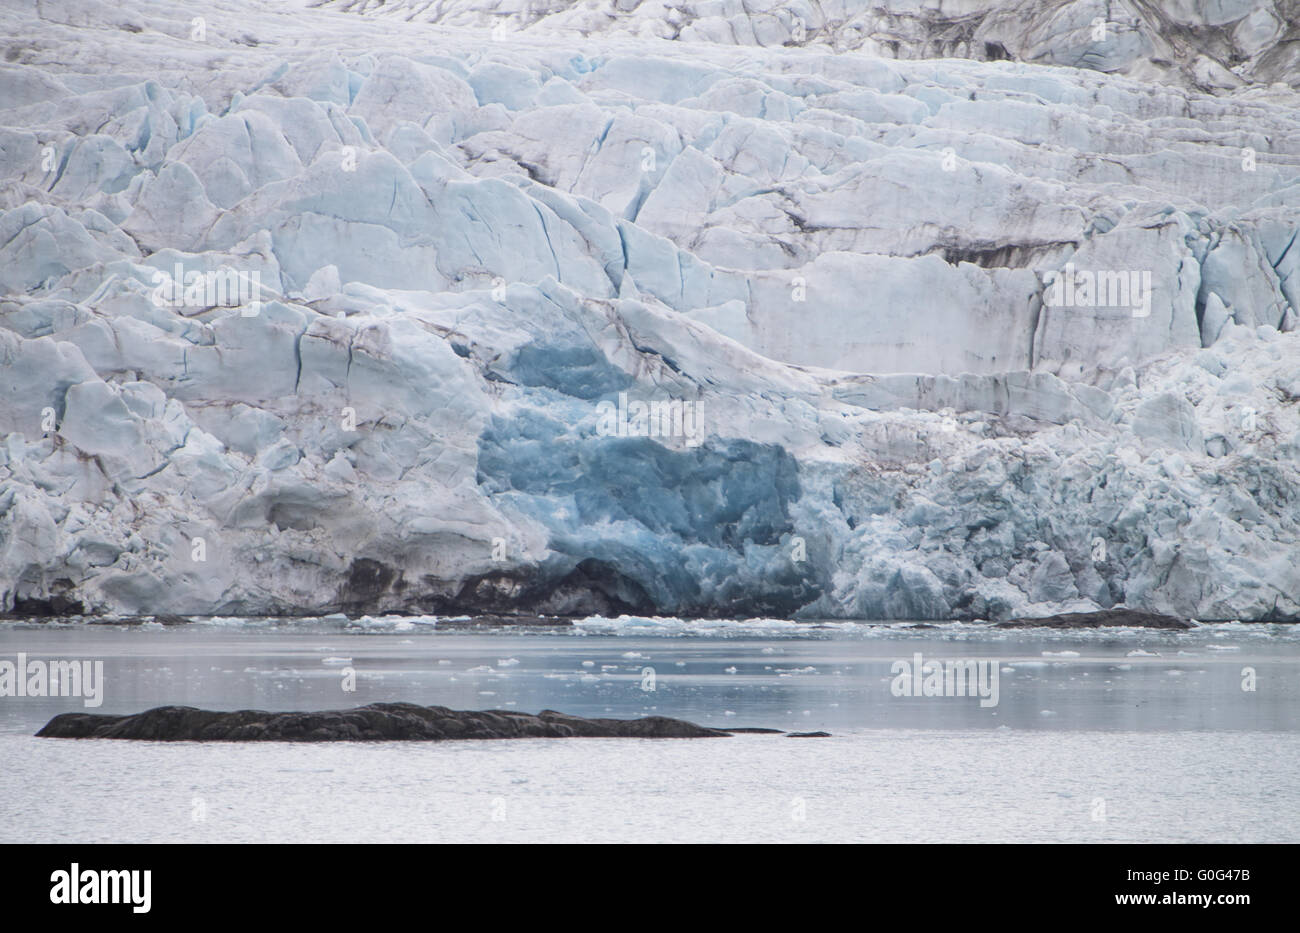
326	312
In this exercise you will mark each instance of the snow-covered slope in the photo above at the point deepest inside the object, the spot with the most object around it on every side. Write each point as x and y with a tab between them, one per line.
468	254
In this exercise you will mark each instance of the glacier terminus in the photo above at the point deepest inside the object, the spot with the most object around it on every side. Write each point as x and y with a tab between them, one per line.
956	310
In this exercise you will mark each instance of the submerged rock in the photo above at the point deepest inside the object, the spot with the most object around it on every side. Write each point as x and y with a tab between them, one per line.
1118	618
377	722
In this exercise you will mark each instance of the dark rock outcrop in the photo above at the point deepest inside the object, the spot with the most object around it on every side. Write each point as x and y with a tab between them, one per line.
378	722
169	619
1125	618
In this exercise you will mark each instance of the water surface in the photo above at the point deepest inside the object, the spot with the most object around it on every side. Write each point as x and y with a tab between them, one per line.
1099	735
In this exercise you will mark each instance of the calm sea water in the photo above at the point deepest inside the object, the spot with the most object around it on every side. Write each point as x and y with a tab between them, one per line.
1096	736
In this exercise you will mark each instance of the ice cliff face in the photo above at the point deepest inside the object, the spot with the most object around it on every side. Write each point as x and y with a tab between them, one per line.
303	310
1207	44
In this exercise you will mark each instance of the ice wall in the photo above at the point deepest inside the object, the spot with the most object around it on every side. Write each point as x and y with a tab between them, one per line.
428	274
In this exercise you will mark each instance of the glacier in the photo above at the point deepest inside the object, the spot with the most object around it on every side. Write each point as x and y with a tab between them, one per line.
321	307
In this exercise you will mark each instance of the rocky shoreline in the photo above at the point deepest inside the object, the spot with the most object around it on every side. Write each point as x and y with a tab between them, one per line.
377	722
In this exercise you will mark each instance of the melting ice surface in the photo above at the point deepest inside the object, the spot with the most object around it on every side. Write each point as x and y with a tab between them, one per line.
1151	730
